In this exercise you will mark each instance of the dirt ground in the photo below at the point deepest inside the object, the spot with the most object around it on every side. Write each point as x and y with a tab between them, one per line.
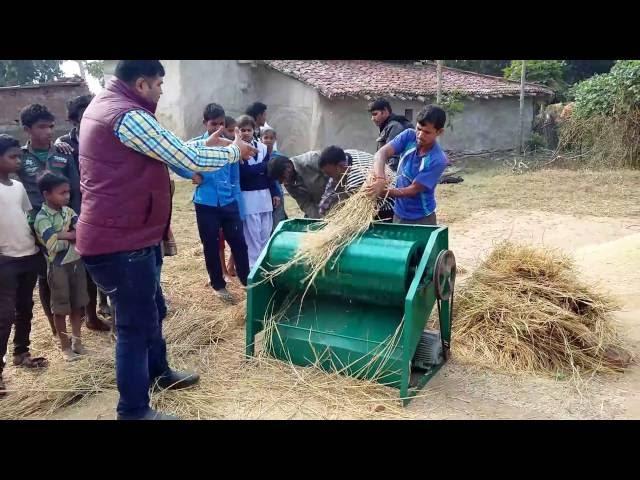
607	251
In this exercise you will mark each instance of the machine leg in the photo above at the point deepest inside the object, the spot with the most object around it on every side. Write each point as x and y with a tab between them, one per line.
251	339
404	386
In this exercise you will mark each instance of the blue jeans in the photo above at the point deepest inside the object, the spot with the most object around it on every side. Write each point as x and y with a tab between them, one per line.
130	279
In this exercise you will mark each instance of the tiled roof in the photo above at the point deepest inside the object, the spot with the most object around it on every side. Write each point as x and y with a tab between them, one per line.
368	79
63	82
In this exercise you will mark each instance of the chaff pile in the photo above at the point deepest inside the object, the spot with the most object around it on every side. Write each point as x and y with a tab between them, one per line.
523	309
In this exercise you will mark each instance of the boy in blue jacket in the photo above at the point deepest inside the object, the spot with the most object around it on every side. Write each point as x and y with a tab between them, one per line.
217	201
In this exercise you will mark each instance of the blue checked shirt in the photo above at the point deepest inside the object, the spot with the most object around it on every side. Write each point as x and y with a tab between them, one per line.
141	132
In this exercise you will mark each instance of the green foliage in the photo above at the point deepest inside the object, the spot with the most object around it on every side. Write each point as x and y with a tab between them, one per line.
547	72
608	94
95	68
573	70
23	72
605	124
627	78
452	103
594	96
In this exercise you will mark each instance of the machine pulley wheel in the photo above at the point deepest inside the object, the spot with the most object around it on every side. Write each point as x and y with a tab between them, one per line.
444	274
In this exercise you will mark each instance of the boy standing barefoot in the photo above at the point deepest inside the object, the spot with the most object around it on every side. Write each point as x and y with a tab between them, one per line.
67	278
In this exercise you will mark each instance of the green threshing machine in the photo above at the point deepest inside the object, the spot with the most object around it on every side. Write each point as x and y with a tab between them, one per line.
366	314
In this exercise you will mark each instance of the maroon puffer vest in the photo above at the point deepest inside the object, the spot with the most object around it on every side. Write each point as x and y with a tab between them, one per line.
126	200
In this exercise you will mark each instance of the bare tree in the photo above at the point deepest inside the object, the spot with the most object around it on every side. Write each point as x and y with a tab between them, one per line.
83	70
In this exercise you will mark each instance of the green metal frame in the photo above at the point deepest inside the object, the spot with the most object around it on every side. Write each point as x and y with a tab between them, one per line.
347	333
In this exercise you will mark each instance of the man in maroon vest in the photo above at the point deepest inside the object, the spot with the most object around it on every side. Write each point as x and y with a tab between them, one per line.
126	210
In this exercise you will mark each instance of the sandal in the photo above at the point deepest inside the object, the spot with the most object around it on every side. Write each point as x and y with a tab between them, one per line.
26	360
70	356
225	295
77	347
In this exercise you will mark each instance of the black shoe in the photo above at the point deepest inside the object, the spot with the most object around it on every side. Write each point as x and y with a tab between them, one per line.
152	415
98	325
174	380
105	311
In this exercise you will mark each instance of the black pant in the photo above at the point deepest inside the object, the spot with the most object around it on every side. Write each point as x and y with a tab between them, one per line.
210	221
17	280
45	295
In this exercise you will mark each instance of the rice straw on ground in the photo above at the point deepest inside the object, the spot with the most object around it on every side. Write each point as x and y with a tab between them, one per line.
523	309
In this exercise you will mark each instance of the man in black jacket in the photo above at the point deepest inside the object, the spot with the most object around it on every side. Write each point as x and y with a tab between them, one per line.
390	126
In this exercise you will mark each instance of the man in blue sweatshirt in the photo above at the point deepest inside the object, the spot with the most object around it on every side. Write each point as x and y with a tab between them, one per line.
218	205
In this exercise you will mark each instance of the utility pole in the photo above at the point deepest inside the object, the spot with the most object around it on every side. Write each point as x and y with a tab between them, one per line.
523	76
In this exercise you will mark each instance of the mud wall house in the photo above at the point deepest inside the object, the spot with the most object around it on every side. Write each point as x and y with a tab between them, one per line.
53	94
315	103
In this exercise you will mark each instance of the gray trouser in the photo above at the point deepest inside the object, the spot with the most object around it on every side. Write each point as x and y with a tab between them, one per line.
428	220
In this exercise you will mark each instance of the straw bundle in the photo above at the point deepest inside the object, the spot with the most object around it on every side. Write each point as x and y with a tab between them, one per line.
523	309
194	327
342	225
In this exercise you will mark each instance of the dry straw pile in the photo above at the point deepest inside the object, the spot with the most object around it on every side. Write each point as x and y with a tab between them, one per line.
41	392
602	141
523	309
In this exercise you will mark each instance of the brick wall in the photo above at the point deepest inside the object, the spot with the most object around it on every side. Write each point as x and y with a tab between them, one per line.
53	95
